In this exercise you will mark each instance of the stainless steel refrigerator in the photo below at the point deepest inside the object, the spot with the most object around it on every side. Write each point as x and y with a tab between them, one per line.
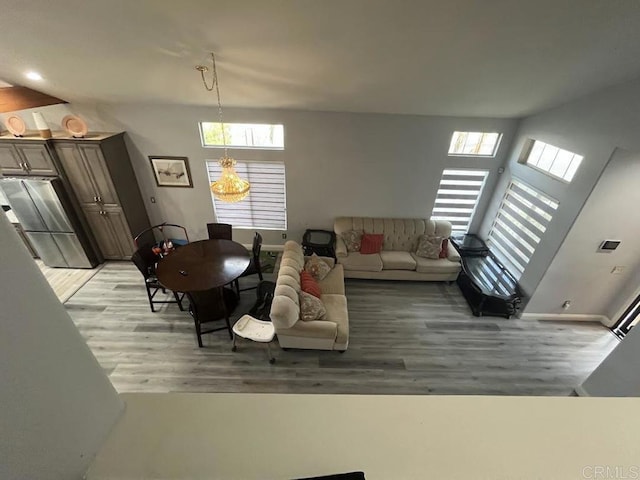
45	213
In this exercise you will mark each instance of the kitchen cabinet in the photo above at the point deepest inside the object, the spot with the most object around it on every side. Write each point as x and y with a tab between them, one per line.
100	173
30	157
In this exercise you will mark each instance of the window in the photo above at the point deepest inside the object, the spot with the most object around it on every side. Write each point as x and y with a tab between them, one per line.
242	135
458	196
520	225
558	163
265	207
475	144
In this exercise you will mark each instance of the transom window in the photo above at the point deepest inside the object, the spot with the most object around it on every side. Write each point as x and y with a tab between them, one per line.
266	205
475	144
520	225
242	135
554	161
458	196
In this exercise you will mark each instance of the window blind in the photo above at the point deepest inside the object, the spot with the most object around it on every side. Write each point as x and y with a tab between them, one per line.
520	225
265	206
458	196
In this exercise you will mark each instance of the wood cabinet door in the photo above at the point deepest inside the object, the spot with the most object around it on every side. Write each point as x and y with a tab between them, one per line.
38	159
75	168
100	174
10	161
111	232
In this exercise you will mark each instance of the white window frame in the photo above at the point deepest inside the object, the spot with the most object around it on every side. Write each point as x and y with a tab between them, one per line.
529	229
532	146
452	153
481	174
239	146
227	208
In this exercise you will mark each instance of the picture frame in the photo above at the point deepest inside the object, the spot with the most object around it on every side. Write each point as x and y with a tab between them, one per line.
171	171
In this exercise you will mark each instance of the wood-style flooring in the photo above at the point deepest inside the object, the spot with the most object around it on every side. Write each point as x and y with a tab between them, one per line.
405	338
66	281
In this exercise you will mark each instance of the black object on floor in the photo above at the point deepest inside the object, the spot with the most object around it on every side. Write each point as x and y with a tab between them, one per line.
339	476
320	242
262	307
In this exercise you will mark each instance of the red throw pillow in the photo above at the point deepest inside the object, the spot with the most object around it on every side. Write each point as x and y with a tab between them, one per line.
371	243
309	284
444	250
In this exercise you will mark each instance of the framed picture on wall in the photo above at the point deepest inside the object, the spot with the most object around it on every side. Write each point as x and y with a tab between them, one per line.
171	171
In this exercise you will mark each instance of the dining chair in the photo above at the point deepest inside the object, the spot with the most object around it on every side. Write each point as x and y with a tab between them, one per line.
219	231
254	267
209	306
145	260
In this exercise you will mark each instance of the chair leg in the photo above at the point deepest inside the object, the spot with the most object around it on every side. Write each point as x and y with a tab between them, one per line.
179	300
260	273
150	298
272	360
234	348
237	284
226	312
198	333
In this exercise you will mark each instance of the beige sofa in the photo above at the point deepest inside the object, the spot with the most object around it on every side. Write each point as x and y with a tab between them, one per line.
332	333
398	260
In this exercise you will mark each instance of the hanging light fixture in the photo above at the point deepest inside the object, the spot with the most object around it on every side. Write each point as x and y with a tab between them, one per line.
229	187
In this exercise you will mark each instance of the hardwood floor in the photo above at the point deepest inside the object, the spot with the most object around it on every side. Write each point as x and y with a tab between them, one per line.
66	281
405	338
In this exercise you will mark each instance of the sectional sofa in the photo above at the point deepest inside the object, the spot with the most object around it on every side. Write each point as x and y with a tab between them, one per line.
397	260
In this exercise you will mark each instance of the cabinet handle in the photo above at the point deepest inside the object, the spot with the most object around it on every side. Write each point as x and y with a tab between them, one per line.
100	200
23	166
95	199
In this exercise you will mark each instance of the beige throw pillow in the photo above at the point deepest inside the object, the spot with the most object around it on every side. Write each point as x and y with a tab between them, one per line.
311	308
429	246
352	240
317	267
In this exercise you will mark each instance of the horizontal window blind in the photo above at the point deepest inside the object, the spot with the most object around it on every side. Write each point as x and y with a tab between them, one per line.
265	207
520	225
458	196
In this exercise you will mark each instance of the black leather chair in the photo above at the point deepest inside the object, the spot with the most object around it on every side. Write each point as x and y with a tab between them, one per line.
219	231
145	259
254	267
210	306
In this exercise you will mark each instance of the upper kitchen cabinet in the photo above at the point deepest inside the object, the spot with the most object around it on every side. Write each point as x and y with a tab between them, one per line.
99	171
26	157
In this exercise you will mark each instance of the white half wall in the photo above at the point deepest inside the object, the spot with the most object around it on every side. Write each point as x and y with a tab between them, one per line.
336	163
56	404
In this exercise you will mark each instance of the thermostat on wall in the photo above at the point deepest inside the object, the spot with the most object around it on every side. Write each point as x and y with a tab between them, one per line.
609	245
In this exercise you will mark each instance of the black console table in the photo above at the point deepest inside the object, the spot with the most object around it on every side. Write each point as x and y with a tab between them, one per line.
469	245
488	287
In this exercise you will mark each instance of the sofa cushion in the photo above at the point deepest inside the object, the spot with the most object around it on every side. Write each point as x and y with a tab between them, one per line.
437	265
352	239
291	262
309	284
293	282
311	329
316	267
284	312
444	250
336	306
287	291
334	282
397	261
429	246
363	263
311	308
371	243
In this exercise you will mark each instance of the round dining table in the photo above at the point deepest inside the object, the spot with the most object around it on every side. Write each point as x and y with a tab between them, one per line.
203	265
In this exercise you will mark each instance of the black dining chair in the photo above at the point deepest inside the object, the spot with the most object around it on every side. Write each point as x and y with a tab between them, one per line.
210	306
254	267
219	231
145	260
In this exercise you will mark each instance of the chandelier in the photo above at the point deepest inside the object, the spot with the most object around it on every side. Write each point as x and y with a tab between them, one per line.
229	187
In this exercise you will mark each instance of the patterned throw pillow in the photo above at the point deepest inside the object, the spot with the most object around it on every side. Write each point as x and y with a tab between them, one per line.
429	246
444	252
371	243
309	284
311	308
352	240
317	267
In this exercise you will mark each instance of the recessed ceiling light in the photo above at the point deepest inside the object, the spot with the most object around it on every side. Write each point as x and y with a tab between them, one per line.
33	76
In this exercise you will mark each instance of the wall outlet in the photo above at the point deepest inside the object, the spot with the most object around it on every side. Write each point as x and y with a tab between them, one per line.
284	236
566	304
618	269
153	199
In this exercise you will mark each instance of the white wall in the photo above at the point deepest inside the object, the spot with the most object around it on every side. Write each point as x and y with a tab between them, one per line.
619	374
336	163
579	272
56	404
593	127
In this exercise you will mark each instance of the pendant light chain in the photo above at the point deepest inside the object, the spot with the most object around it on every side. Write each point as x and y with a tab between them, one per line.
215	85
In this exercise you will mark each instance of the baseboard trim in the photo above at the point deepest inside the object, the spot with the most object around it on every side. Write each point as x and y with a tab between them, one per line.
266	248
567	317
581	391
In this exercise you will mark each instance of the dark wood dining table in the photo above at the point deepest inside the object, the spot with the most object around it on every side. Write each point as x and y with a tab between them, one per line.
203	265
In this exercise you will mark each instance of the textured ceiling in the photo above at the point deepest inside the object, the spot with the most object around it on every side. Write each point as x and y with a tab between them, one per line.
503	58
